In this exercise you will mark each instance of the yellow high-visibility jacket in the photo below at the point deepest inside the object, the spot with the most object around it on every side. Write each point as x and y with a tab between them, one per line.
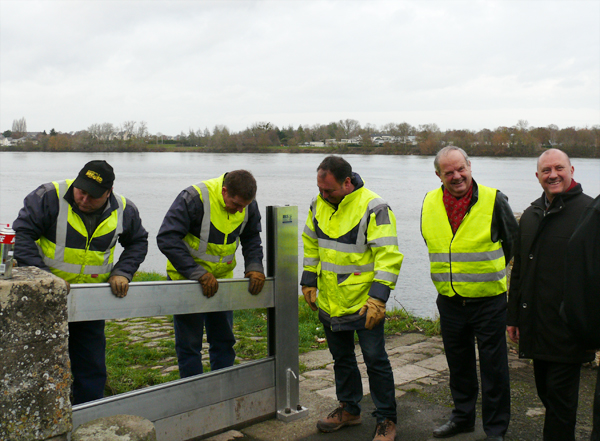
468	262
217	258
349	249
74	256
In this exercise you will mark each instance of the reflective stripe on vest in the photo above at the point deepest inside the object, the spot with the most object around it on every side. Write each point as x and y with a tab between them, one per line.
356	247
467	262
62	225
201	253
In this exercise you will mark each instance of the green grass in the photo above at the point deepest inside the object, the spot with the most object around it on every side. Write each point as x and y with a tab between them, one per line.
133	365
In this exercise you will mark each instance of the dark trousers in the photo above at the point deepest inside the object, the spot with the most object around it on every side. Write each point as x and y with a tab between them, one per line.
348	383
87	350
596	431
461	323
189	329
558	388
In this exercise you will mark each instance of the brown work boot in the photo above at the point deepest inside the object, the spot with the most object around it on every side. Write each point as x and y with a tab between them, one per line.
338	419
385	431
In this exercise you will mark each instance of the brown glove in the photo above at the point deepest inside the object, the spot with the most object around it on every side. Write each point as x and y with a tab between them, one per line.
119	285
209	285
375	310
257	282
310	295
68	287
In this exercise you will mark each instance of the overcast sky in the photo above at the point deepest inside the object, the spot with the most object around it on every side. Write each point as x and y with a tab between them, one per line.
180	65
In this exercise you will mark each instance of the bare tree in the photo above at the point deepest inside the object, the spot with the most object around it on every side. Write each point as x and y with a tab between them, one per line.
349	127
142	130
19	126
128	129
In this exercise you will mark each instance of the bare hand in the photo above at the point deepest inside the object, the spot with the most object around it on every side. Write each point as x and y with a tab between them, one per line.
513	333
119	285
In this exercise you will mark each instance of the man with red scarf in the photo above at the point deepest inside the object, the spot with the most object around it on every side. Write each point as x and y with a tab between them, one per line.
469	230
537	289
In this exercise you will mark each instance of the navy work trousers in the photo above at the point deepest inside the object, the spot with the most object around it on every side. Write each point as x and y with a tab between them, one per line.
189	330
348	384
558	388
87	350
461	323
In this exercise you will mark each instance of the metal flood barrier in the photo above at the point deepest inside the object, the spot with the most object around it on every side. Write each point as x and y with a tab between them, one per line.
212	402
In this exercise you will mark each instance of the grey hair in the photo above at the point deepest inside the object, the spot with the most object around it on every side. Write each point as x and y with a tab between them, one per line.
445	151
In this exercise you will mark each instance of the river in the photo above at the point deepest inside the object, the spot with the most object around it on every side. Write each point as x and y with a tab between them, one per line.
153	180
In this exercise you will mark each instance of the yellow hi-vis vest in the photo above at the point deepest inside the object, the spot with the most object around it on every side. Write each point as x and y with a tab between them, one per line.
217	258
349	248
467	263
91	263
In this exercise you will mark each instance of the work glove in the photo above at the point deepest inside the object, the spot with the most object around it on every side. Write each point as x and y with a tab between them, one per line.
310	295
257	282
119	285
209	285
68	287
375	310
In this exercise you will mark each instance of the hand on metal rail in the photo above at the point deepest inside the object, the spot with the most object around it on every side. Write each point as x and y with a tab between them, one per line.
209	285
119	285
257	282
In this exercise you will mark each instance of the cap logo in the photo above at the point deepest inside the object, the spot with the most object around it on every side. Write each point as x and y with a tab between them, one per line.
95	176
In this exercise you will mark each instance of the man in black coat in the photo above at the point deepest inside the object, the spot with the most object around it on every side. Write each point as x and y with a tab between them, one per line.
536	292
582	281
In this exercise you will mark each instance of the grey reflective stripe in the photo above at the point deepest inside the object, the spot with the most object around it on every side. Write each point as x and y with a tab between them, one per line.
200	253
310	233
62	225
383	241
464	277
310	261
344	269
343	247
76	269
387	276
467	257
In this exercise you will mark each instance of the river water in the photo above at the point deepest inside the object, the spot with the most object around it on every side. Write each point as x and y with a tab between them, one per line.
153	180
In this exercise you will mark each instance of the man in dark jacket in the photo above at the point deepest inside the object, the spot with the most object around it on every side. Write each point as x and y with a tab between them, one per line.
536	292
582	282
71	228
200	235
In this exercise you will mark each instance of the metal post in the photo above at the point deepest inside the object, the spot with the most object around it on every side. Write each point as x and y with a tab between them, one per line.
283	326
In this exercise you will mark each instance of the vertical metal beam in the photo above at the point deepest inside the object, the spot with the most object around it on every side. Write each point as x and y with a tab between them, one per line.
283	326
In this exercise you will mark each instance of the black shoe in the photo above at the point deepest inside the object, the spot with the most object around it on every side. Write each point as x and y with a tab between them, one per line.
495	438
451	429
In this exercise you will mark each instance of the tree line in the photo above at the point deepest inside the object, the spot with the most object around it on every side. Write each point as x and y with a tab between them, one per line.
343	136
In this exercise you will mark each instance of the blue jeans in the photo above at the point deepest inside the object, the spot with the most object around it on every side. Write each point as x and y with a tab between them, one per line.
87	351
348	384
189	329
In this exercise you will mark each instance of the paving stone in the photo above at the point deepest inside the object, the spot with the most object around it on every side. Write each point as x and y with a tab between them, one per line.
409	373
317	383
328	393
317	373
155	335
437	363
316	359
171	369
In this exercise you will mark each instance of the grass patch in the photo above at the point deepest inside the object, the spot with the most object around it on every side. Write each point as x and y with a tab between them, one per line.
133	363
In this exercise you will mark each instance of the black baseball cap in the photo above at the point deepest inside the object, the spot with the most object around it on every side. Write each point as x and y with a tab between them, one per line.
95	178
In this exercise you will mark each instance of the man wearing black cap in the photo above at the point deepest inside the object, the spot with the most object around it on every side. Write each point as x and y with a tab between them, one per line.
70	228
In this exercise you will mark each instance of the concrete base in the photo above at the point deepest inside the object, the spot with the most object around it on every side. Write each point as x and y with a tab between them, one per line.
116	428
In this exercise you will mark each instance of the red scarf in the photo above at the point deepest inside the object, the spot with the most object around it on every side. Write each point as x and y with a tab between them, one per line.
457	208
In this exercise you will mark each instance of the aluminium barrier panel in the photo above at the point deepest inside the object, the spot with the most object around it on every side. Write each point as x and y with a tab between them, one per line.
212	402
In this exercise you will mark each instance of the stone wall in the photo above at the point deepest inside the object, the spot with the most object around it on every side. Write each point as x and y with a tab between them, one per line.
35	379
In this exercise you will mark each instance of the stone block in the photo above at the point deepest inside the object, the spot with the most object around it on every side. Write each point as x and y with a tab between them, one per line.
116	428
35	378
